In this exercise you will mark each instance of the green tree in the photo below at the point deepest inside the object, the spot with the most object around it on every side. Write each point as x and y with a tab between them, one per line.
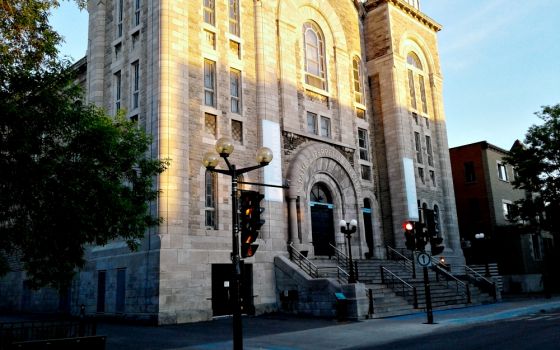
537	165
70	175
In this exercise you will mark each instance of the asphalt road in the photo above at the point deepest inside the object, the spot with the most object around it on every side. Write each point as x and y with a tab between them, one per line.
536	331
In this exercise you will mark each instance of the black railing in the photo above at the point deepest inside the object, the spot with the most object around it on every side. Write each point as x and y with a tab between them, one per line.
461	288
398	285
406	262
301	260
11	332
482	282
341	258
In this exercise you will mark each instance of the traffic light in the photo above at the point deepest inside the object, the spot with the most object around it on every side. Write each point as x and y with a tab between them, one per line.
436	245
408	227
421	236
250	221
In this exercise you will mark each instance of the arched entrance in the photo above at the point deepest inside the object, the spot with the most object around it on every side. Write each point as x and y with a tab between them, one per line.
322	226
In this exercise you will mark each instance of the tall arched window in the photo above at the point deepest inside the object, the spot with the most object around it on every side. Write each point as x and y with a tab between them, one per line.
357	77
314	53
416	73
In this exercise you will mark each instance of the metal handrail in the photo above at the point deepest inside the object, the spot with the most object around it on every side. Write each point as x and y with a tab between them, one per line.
478	277
402	282
341	258
406	262
302	261
458	283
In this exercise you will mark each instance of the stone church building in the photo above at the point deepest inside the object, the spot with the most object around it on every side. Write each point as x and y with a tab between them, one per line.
347	95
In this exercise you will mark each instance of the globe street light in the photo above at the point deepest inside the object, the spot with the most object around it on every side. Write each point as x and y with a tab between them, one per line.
347	228
210	160
480	238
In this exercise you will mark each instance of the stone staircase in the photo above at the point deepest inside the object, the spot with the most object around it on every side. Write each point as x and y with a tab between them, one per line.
392	300
445	294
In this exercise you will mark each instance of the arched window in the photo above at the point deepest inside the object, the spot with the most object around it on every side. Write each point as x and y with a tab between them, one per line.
320	194
357	77
210	199
314	53
416	74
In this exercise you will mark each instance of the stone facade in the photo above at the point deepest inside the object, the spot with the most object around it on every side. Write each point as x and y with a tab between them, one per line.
321	82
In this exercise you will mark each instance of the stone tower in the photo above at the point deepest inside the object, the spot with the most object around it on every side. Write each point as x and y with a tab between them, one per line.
410	133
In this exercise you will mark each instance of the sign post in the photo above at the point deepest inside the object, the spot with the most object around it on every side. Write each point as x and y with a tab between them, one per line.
424	259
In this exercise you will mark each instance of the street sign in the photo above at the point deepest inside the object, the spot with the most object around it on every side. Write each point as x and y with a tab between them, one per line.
424	259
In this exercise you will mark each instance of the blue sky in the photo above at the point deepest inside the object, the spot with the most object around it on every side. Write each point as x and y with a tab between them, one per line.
500	62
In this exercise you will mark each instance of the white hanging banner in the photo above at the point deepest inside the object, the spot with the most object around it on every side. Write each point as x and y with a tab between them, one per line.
273	171
410	188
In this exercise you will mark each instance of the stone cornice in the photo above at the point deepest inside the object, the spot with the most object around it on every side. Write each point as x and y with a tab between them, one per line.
408	9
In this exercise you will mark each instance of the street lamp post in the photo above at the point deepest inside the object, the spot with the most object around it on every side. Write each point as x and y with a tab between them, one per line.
224	148
480	238
348	228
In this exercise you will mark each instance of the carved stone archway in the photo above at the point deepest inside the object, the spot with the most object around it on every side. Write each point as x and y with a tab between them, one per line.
317	162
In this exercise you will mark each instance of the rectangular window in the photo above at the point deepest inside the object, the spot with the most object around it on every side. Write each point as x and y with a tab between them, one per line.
423	94
235	49
237	131
118	91
210	199
502	172
101	276
325	127
366	172
429	151
135	84
415	117
210	38
120	10
412	90
469	172
360	113
363	144
210	124
418	147
312	123
136	12
121	290
118	51
508	210
234	17
135	40
210	83
427	120
209	12
235	90
421	175
433	177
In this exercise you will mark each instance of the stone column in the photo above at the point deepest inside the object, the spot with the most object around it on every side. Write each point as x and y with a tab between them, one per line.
294	235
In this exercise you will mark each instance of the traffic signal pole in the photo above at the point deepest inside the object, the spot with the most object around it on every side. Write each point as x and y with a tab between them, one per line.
224	147
429	312
236	263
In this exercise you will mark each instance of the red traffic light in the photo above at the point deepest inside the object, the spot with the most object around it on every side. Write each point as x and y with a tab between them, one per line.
408	226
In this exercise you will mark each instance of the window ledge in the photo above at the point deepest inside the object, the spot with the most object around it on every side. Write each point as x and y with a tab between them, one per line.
316	90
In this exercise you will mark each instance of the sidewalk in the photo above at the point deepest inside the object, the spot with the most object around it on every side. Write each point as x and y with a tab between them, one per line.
282	332
286	332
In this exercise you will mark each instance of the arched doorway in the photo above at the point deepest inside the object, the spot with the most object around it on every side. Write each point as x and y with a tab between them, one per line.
322	226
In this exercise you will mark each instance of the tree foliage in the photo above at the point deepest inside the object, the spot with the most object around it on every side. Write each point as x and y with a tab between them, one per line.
70	175
537	165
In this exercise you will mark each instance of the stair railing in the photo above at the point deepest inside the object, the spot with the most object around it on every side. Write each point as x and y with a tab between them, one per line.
390	279
302	261
461	287
395	255
341	258
482	282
